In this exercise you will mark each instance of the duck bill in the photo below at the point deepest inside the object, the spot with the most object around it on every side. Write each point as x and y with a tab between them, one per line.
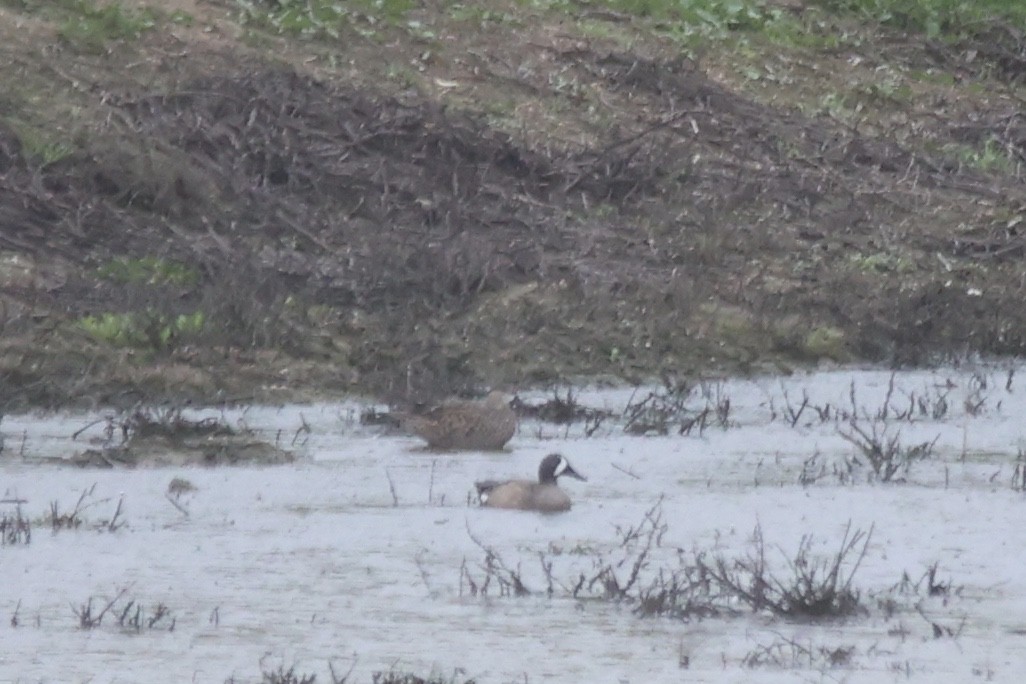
573	473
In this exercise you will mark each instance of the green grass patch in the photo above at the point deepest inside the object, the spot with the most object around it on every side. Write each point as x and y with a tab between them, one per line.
686	21
89	26
92	28
935	18
881	262
323	18
991	157
144	330
149	270
41	146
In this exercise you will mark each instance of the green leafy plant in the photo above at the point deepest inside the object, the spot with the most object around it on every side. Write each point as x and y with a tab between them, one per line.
145	330
92	28
42	146
150	270
935	18
317	18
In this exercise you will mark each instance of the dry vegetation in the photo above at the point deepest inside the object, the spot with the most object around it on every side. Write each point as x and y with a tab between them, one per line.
414	198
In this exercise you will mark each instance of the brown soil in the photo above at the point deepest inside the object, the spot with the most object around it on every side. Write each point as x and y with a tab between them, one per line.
502	203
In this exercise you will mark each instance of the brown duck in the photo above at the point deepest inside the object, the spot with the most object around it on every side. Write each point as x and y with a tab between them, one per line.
525	495
485	424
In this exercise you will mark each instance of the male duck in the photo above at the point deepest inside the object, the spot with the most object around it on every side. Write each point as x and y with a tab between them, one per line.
544	495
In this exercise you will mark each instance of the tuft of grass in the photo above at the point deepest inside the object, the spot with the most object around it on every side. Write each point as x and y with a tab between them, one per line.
394	676
130	614
991	157
289	676
149	270
92	28
784	653
40	145
884	452
813	588
322	18
668	409
935	18
14	529
881	262
701	15
826	342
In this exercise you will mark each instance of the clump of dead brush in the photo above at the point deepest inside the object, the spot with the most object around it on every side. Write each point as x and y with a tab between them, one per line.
168	422
813	588
625	575
932	404
675	408
283	676
73	519
680	591
563	409
883	450
928	591
135	618
927	585
156	421
932	585
636	572
394	676
617	577
288	675
786	653
15	528
130	615
1019	474
508	581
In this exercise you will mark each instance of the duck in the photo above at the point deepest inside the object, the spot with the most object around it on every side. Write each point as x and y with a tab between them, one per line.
544	495
479	425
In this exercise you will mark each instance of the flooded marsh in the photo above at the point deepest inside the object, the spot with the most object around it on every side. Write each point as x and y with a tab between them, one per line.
367	552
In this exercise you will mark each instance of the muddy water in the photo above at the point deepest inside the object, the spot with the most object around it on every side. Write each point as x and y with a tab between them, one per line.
356	550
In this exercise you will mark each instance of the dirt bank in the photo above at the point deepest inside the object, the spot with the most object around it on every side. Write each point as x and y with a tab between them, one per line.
201	204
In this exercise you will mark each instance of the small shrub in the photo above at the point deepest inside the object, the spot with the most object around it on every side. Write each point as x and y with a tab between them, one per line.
289	676
814	589
563	410
668	409
885	453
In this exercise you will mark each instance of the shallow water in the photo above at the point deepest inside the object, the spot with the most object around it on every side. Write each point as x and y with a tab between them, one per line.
318	560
